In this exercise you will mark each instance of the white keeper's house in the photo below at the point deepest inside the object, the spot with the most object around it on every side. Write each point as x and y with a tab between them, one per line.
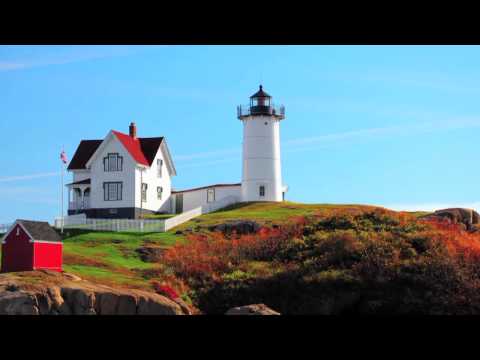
125	176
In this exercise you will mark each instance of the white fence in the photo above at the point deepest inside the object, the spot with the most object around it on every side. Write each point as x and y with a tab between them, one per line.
123	225
126	225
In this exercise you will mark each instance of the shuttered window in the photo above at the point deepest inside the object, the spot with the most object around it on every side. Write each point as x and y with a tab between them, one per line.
159	192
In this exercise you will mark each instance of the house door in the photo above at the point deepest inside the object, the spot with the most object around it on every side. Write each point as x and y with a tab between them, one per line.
179	203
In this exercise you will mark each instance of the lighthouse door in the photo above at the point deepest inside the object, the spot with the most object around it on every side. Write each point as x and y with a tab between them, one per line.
179	203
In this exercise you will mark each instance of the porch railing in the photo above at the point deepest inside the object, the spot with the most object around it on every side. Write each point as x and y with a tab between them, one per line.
79	205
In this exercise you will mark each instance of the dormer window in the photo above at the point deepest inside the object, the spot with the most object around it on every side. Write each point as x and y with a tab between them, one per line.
113	162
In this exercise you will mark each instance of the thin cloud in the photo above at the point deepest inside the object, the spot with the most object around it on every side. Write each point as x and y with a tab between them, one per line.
311	143
410	129
65	55
28	177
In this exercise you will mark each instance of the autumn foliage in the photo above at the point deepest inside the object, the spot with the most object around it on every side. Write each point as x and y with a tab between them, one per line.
335	262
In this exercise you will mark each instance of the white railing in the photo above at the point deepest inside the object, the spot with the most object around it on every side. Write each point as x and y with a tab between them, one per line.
79	205
183	217
80	221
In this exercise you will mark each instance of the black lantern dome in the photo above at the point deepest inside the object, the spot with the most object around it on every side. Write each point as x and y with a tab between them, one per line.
260	104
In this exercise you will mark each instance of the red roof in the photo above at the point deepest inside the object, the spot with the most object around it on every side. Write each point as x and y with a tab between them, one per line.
133	146
143	150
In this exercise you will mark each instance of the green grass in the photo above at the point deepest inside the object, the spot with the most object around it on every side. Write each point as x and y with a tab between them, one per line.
262	212
111	256
159	216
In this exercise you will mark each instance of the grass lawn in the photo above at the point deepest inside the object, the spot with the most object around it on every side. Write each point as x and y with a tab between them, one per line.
262	212
110	256
159	216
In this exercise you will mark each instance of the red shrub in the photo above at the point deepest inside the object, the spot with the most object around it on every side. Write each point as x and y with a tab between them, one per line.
456	239
165	290
208	257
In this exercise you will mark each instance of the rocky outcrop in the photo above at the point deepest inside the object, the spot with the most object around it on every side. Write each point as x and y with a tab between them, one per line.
48	293
239	227
469	218
255	309
150	253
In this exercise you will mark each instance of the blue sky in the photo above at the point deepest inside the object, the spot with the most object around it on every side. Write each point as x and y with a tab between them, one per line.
396	126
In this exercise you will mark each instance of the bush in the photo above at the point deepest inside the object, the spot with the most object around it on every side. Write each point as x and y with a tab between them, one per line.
345	261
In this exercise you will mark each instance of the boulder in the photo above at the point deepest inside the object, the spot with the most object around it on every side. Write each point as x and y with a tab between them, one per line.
150	253
59	306
467	217
240	227
154	304
72	277
107	303
57	294
18	303
255	309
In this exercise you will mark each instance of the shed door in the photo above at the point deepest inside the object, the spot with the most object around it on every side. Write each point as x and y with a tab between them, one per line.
179	203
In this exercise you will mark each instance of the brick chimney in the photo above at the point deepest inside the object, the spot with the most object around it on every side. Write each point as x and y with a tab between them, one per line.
133	130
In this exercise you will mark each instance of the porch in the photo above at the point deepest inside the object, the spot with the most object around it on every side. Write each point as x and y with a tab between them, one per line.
78	196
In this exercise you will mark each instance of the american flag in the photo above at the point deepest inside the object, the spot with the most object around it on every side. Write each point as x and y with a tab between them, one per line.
63	157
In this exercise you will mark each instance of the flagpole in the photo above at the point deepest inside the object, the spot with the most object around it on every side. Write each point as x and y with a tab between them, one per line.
61	171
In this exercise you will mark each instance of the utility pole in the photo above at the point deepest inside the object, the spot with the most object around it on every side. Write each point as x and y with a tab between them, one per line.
61	176
141	193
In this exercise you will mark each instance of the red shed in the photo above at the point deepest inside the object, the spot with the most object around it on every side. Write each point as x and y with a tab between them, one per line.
31	245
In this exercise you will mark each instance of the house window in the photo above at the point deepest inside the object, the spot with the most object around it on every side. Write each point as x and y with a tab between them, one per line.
144	192
159	192
211	195
18	231
113	162
262	190
159	167
112	191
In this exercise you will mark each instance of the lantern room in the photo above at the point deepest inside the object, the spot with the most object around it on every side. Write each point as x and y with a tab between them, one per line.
261	104
260	98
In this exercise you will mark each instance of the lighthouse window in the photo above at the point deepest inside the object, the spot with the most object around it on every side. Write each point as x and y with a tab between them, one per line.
262	190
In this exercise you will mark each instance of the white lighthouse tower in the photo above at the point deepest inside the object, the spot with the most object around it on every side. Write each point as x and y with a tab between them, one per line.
262	172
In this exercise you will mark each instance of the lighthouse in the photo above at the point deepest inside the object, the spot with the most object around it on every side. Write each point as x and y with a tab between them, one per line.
261	171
